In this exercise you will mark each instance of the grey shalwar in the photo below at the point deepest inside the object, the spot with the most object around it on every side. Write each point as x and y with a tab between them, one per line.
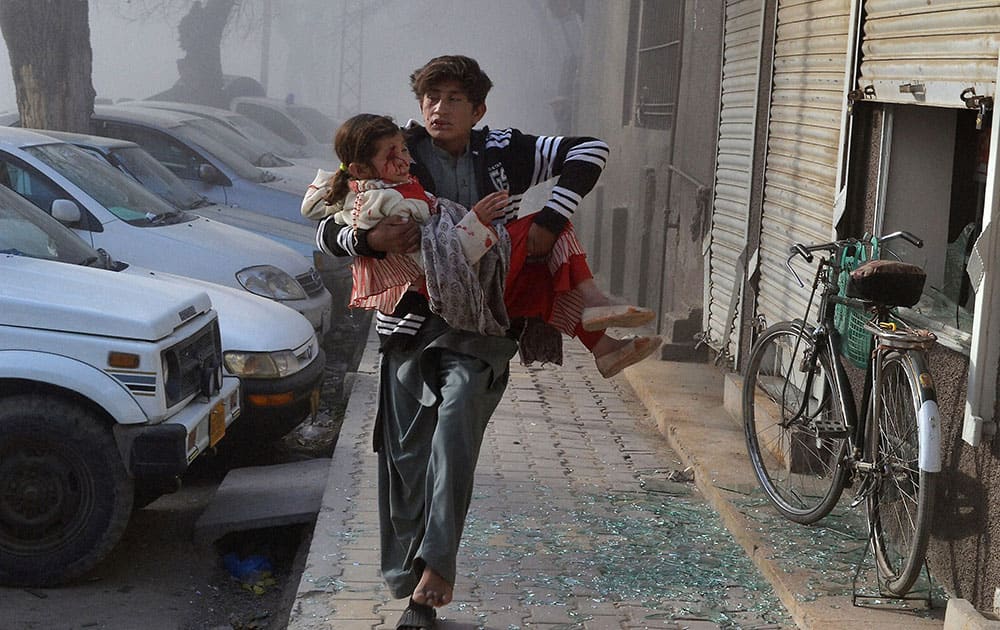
437	394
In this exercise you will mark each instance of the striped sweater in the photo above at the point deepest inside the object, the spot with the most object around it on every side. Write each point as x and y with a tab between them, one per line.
504	159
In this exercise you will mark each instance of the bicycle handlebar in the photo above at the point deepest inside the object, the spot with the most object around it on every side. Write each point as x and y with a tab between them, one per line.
907	236
805	251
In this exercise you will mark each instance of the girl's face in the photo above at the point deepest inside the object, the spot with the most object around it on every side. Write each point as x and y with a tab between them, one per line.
392	159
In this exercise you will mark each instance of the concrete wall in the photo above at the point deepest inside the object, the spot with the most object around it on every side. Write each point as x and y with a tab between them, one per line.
643	228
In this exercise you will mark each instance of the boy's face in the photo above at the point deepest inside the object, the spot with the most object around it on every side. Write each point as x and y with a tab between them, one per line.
449	115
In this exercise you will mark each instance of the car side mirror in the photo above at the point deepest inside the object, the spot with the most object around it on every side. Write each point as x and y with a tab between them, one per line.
211	175
66	211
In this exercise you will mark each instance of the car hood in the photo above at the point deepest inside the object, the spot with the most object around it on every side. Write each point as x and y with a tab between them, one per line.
57	296
314	163
295	186
246	322
207	250
296	174
297	236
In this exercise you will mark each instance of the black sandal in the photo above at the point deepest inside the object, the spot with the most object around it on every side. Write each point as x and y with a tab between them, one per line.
417	616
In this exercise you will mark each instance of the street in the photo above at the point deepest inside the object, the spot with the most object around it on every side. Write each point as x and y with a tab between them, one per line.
157	573
582	517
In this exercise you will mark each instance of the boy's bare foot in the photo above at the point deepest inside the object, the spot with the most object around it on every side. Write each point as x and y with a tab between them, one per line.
432	590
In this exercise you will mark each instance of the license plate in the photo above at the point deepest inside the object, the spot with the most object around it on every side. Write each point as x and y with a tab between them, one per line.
216	423
314	402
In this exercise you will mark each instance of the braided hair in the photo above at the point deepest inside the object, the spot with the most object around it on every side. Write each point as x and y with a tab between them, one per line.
355	142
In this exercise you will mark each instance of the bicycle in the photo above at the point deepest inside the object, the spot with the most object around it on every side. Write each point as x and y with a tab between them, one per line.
806	440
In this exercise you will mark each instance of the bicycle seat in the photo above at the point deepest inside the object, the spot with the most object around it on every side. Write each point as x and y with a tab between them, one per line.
887	282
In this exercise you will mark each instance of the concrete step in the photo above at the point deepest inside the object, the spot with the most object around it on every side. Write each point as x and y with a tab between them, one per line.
257	497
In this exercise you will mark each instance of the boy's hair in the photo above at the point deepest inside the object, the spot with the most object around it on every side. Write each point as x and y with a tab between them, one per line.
465	70
355	142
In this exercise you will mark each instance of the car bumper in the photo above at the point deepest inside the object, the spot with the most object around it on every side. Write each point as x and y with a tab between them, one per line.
166	449
273	407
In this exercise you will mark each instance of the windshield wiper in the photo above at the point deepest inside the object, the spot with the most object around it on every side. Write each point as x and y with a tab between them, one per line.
161	218
200	202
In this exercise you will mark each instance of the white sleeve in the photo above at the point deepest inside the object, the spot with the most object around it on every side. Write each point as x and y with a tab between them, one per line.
476	238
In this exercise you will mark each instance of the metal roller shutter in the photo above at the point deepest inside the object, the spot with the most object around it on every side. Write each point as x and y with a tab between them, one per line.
735	148
803	136
927	53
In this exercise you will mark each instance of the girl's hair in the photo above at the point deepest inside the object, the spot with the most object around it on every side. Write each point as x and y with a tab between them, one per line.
355	142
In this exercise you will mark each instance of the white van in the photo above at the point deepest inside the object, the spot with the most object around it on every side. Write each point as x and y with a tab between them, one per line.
269	347
106	384
110	210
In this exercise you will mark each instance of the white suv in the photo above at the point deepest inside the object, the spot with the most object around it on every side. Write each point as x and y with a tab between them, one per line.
269	347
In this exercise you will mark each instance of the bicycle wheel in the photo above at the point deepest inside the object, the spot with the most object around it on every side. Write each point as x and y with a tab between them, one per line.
795	424
901	499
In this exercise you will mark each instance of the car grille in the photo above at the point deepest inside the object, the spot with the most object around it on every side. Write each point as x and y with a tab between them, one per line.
194	365
311	282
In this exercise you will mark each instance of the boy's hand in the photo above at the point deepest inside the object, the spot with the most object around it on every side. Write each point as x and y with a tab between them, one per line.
491	207
395	235
540	240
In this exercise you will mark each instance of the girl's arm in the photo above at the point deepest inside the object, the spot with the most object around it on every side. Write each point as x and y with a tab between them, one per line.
475	230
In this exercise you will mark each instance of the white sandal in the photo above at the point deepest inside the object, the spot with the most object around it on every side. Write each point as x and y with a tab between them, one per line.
637	349
615	316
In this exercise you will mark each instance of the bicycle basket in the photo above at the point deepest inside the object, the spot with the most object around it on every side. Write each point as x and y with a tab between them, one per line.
855	341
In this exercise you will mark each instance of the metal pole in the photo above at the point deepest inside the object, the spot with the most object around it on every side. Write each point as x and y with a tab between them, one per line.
265	44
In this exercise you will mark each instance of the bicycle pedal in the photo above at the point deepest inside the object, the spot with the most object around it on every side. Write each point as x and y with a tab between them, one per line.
829	428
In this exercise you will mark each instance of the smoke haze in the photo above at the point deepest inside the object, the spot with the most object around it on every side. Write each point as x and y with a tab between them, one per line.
519	43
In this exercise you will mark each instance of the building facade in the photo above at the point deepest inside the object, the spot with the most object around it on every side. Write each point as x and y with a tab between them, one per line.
740	127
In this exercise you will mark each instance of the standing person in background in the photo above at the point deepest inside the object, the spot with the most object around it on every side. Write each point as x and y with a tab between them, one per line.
439	386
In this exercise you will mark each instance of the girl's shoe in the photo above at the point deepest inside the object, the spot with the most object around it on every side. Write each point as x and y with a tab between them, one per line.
637	349
615	316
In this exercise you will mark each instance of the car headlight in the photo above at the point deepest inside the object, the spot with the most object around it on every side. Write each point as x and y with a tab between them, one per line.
270	282
261	364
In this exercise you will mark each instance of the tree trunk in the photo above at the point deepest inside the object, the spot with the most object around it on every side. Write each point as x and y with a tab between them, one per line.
200	70
48	42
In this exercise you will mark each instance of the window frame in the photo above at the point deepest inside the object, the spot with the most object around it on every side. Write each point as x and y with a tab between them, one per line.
640	63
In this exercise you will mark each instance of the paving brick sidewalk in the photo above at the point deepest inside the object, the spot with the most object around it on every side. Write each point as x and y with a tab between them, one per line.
582	518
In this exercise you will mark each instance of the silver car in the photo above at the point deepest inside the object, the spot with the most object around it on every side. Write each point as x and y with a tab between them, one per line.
302	125
249	129
209	166
134	161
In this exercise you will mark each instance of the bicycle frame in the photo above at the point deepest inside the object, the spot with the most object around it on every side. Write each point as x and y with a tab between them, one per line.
929	419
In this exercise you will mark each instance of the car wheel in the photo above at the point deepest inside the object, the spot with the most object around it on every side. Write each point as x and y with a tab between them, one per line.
65	496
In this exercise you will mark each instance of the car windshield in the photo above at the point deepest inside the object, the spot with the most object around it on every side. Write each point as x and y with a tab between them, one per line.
157	178
316	122
248	149
262	135
27	231
221	151
122	196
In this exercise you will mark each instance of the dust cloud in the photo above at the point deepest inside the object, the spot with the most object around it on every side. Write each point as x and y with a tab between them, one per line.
341	61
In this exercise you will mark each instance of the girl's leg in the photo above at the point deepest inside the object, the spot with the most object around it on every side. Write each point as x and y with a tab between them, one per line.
562	292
